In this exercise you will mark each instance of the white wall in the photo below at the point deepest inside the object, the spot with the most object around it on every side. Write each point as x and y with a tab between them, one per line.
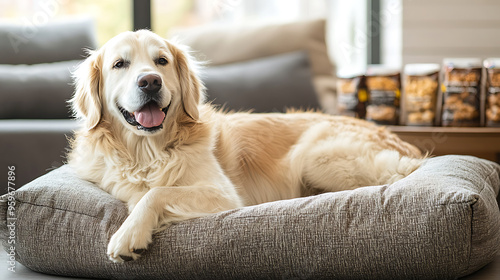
434	29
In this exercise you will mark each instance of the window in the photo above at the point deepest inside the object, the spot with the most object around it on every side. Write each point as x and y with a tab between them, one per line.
167	14
349	33
111	16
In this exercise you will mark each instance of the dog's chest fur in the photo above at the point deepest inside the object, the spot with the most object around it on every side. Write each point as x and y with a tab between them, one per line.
128	168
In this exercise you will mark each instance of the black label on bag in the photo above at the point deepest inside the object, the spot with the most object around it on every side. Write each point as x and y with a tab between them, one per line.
382	97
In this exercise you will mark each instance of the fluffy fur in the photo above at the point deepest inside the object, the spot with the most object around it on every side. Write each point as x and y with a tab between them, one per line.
202	161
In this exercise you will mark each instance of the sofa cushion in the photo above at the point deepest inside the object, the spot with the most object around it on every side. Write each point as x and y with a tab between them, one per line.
440	222
225	44
55	41
269	84
36	91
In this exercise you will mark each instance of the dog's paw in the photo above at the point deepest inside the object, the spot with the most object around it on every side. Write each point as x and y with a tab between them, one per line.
128	243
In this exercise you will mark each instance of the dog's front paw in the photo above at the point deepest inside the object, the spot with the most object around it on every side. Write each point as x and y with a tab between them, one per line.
128	243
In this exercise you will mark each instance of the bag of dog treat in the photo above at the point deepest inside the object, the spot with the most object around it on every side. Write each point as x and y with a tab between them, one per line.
420	94
461	92
384	89
351	95
492	66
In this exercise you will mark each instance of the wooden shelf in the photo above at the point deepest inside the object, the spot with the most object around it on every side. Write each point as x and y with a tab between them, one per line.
433	129
482	142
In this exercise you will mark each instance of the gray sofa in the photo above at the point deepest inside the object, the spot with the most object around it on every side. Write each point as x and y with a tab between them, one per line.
35	83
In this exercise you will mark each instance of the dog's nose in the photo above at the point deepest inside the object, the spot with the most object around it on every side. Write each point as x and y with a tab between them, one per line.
149	83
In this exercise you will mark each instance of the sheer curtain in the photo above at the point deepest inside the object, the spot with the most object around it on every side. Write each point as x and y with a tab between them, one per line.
347	35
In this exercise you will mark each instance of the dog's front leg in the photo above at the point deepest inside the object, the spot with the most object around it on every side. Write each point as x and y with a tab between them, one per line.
164	205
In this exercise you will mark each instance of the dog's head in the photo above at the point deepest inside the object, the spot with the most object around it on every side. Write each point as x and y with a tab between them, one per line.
138	79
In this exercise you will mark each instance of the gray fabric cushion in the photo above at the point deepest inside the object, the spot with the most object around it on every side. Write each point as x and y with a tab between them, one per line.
441	222
225	44
36	91
55	41
269	84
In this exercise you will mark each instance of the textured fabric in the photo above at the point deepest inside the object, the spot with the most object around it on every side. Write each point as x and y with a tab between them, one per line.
270	84
38	91
225	44
44	43
441	222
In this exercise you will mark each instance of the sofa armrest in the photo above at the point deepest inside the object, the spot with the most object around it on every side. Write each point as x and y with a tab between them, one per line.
33	147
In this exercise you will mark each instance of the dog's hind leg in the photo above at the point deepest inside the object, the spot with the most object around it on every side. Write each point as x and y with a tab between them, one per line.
342	162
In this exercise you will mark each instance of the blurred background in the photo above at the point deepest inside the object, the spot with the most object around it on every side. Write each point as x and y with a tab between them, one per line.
359	33
348	21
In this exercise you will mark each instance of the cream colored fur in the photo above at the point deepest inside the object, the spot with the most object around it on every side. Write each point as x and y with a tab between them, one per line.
205	161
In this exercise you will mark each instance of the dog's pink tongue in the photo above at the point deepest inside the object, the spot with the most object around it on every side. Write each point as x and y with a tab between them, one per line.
150	115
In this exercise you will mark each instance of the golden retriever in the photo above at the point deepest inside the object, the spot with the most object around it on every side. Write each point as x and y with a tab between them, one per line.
149	140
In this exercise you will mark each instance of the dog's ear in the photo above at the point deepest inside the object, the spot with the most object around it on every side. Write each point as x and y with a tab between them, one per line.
191	86
86	103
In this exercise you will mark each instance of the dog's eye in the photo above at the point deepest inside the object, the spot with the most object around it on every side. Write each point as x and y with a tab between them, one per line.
119	64
162	61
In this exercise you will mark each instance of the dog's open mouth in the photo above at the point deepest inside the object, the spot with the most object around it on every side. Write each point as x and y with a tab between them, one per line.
149	118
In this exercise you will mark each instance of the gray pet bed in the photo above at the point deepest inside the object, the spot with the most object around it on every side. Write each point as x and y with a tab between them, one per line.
440	222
